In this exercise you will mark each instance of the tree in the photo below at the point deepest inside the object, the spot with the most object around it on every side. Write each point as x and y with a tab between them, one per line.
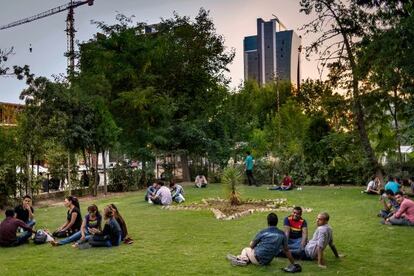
346	25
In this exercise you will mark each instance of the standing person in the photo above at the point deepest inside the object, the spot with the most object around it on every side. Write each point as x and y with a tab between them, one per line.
177	192
25	211
8	229
111	233
91	223
296	231
322	237
200	181
73	219
249	164
162	196
124	230
267	244
405	214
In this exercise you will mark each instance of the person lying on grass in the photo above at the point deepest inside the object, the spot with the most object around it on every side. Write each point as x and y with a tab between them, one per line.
322	237
91	222
73	219
124	234
265	246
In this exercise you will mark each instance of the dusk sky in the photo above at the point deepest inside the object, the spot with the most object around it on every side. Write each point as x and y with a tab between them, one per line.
233	19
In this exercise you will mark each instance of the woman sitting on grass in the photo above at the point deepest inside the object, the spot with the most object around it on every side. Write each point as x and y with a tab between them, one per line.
90	224
73	219
121	222
111	233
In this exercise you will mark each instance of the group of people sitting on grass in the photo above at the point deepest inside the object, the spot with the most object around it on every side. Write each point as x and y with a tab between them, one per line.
82	233
291	243
398	209
159	194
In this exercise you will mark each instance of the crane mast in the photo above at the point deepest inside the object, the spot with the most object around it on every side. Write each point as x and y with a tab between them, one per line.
70	26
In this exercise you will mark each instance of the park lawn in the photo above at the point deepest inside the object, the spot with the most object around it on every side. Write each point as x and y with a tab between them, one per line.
195	243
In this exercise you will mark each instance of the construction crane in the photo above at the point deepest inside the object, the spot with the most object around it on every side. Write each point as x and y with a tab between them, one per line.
70	26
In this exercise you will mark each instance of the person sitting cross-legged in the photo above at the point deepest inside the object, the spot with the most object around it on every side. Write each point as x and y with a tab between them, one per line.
373	186
296	230
25	211
151	190
8	229
177	192
405	214
287	184
390	204
322	237
265	246
162	196
200	181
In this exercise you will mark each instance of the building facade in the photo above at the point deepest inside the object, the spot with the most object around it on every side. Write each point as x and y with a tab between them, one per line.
272	54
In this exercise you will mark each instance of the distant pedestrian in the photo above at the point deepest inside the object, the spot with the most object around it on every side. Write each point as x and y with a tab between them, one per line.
249	164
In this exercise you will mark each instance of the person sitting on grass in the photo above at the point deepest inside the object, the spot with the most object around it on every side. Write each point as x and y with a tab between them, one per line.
287	184
162	196
200	181
8	229
322	237
90	224
390	205
405	214
124	230
392	185
177	192
265	246
73	219
25	211
151	190
110	235
296	230
373	186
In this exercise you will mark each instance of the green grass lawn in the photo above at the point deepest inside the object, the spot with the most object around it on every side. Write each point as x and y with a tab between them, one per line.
195	243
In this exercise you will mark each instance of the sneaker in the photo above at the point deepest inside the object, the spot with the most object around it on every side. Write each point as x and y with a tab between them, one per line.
238	262
231	257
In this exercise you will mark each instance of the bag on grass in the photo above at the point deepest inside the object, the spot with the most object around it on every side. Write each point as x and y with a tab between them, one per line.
40	237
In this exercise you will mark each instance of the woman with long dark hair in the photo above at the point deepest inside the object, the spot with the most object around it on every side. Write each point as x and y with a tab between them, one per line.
121	222
111	233
90	224
73	219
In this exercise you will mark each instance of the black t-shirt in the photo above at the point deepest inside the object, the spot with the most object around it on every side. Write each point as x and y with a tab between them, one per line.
78	222
22	213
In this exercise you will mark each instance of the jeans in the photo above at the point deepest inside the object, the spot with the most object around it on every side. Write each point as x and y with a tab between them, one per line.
21	239
104	243
295	246
250	177
279	188
75	237
30	223
401	221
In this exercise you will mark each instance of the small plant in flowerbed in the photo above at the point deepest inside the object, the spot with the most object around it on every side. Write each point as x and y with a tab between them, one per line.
234	207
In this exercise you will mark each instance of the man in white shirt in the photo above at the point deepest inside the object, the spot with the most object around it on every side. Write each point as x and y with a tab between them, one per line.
200	181
162	196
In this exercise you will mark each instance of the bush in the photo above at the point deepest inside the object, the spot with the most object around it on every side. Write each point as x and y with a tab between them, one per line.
122	178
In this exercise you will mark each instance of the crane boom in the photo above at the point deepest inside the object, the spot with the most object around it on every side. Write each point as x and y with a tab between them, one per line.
56	10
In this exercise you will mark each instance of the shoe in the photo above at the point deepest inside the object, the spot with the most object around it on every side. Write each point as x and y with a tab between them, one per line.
238	262
231	257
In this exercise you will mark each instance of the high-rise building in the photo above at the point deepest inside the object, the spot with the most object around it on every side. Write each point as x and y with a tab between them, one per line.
272	54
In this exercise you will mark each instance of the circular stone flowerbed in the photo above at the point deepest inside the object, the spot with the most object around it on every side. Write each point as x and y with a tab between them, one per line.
222	209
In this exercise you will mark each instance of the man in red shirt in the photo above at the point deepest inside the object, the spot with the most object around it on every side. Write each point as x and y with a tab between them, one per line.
287	184
405	214
8	229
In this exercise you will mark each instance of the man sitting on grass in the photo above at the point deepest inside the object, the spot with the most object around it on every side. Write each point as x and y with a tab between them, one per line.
287	184
321	238
162	196
390	205
265	246
8	229
296	230
405	214
177	192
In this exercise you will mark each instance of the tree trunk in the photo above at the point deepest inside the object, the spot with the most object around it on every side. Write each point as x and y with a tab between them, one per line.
29	173
185	168
87	164
104	168
96	180
397	129
69	182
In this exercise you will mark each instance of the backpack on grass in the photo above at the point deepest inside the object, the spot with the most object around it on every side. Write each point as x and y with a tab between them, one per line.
40	237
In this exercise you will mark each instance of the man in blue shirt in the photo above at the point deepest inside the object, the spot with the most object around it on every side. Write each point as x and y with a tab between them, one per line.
392	185
249	163
267	244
